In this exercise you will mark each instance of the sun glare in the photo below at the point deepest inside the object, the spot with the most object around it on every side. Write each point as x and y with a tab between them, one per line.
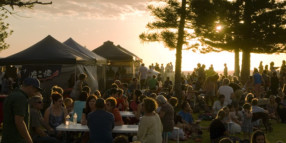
218	28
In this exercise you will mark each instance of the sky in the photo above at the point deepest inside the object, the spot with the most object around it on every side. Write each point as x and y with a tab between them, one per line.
92	22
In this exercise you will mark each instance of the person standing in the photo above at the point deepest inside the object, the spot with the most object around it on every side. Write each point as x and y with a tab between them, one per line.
75	94
16	112
258	81
274	84
225	70
100	124
153	83
227	91
166	113
260	68
143	76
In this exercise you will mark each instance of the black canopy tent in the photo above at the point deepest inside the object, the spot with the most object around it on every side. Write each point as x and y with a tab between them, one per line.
122	63
50	52
100	61
76	46
112	53
47	51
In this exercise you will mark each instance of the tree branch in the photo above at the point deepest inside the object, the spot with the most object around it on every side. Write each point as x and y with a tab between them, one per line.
20	3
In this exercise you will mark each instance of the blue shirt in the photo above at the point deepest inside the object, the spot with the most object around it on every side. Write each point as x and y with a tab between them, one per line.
100	124
257	78
186	116
78	108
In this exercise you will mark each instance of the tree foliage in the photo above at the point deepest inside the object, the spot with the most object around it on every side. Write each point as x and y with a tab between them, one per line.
164	28
4	29
254	26
5	32
171	28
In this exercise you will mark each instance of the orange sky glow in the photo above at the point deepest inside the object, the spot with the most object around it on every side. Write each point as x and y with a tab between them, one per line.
92	22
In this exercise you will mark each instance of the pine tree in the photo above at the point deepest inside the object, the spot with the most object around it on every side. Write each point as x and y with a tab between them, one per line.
171	28
252	26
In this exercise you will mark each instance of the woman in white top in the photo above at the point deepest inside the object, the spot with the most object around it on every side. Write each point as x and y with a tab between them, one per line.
150	126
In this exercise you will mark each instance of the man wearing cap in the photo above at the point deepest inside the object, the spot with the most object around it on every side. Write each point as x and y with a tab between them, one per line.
16	112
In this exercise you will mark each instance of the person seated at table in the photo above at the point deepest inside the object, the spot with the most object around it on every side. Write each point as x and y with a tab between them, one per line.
55	89
150	127
97	93
68	103
80	104
122	103
55	114
58	89
89	107
39	129
139	108
135	101
111	107
134	106
100	124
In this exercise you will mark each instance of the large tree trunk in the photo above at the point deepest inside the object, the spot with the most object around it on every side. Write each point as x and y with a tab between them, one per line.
236	62
178	83
245	66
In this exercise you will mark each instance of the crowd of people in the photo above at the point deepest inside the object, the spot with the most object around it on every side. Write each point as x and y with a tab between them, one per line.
232	107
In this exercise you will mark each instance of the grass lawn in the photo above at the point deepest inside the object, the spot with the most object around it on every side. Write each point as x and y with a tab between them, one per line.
278	133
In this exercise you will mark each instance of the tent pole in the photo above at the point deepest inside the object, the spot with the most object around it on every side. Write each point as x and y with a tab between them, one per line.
75	73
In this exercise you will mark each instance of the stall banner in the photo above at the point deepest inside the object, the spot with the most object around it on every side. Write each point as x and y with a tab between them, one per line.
42	72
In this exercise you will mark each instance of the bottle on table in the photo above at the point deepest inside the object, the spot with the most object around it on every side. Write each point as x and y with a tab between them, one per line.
74	118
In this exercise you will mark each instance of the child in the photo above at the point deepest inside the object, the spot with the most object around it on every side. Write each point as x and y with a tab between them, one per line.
122	103
246	124
68	102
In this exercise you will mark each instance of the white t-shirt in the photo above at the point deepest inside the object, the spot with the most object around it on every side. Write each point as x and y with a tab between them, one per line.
227	91
143	70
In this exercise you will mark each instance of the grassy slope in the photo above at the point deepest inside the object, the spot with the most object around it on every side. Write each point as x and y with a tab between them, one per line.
279	133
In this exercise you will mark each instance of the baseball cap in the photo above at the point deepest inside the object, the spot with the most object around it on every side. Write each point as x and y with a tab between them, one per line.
161	99
32	81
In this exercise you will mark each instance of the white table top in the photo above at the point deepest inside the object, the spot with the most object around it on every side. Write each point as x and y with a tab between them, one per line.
127	114
84	128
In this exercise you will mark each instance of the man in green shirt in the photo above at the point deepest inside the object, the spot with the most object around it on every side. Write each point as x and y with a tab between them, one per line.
152	83
16	112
